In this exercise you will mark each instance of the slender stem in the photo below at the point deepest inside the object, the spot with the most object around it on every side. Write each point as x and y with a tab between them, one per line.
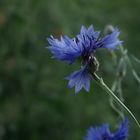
120	89
136	76
124	52
101	83
115	108
111	100
113	105
120	95
136	59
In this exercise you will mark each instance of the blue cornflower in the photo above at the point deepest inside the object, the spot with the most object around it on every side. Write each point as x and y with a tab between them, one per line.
103	132
83	45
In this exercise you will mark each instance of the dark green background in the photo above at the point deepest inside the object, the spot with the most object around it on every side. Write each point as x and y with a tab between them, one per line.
35	102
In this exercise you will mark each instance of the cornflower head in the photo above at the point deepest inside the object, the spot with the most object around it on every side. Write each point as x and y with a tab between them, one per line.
103	132
84	46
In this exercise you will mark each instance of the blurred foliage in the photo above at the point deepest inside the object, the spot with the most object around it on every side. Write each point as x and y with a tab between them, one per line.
35	102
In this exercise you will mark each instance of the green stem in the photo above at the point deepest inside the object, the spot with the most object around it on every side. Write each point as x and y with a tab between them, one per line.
115	108
124	52
111	100
120	89
108	90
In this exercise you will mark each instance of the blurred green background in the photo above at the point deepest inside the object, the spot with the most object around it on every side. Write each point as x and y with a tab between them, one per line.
35	102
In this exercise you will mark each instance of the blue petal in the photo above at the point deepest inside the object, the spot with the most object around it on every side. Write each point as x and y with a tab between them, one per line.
92	33
103	132
83	30
111	40
65	49
98	133
80	79
87	39
89	32
122	132
93	134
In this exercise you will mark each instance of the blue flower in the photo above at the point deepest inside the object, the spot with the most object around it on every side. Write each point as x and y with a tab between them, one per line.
83	45
103	132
